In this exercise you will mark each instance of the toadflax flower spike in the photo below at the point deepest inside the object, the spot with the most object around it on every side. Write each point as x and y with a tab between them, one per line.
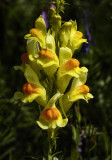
66	71
77	91
32	90
51	117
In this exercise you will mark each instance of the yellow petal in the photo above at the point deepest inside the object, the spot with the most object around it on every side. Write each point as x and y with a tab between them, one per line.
37	36
64	54
66	71
32	49
48	61
41	25
42	124
65	33
50	43
62	122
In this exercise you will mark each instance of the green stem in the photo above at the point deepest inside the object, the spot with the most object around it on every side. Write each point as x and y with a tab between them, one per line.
57	47
50	135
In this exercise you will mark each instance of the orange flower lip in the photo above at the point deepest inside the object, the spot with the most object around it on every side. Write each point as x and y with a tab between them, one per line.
79	34
24	58
34	32
29	88
50	114
84	89
46	54
71	64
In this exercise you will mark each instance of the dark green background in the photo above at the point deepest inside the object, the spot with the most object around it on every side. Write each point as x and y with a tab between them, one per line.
19	134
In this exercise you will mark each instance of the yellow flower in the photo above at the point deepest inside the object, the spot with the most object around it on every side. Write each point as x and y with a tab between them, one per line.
77	91
65	33
32	90
36	35
51	117
75	37
77	40
70	37
39	32
44	56
48	61
66	71
32	63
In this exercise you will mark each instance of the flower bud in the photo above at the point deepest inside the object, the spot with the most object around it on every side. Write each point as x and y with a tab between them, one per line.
51	13
56	22
65	33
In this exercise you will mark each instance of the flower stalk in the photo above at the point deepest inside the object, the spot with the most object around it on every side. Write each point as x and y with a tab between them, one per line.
50	139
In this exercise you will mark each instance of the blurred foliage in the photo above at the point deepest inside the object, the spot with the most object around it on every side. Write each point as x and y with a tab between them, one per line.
20	137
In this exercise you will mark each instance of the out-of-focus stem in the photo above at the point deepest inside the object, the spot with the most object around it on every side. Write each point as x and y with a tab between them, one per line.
50	136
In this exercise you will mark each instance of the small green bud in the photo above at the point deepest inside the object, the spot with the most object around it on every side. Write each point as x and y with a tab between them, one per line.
51	13
67	24
65	33
56	22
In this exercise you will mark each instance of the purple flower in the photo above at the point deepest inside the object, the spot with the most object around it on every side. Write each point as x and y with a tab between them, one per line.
52	6
86	46
88	35
44	15
80	143
82	132
79	149
84	136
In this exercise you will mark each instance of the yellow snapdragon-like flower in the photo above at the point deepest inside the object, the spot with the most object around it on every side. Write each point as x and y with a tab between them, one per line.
32	90
39	32
70	37
51	117
77	91
75	37
65	33
44	56
48	61
66	71
32	63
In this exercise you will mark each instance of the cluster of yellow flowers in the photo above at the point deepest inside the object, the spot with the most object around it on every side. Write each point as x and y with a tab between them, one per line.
49	66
